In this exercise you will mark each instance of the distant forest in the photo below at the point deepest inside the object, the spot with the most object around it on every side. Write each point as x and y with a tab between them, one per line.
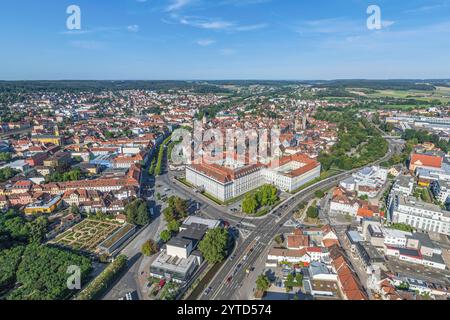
210	86
96	86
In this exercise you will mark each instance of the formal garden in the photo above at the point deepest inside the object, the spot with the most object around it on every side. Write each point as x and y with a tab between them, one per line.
87	235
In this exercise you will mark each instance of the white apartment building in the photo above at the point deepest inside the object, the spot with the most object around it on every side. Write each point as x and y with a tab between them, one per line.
420	215
404	184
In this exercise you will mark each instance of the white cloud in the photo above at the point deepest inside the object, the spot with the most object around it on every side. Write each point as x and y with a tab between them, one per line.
330	26
251	27
387	23
206	23
133	28
216	24
427	8
205	42
178	4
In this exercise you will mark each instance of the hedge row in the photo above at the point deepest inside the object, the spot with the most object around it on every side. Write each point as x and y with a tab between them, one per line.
101	283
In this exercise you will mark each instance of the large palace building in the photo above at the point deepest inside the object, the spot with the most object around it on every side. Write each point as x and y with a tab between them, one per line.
228	178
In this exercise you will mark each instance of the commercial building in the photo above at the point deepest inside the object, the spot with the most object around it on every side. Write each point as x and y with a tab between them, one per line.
42	206
229	178
179	259
425	161
54	139
367	181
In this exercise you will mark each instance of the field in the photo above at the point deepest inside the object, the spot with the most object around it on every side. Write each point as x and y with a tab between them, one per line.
87	235
441	93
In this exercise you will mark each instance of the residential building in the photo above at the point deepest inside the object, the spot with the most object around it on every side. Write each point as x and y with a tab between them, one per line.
420	215
441	190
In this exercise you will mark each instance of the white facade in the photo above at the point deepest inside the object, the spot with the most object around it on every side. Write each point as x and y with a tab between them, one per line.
441	190
291	256
420	215
224	190
288	183
344	207
318	255
396	238
367	181
249	180
404	185
181	252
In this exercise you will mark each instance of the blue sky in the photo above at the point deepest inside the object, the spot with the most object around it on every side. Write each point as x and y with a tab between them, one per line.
224	39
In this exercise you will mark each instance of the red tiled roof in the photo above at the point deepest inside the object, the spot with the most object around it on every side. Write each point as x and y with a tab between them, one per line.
224	174
297	241
426	160
329	242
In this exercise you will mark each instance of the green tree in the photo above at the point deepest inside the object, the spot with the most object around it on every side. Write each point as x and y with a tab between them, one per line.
214	245
249	204
142	217
279	239
174	226
176	209
319	194
165	235
169	214
42	273
74	209
7	173
312	212
299	279
137	212
149	248
262	283
38	229
5	156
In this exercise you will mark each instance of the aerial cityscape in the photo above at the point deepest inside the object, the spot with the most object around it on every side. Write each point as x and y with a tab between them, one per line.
225	177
